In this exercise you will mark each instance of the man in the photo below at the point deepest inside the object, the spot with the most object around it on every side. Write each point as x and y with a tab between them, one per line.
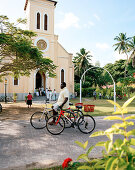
94	95
100	95
63	101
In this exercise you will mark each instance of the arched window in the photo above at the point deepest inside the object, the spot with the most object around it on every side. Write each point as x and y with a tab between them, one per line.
16	82
38	20
45	21
62	75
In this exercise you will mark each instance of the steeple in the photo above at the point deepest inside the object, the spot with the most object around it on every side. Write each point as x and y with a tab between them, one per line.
40	16
26	2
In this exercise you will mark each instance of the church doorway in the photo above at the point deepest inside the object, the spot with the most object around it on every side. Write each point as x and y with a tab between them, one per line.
40	80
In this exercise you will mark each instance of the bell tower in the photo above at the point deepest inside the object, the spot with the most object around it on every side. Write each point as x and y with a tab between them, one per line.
40	19
40	16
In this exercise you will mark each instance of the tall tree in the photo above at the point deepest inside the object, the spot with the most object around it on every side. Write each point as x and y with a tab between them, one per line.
122	45
82	61
18	55
132	50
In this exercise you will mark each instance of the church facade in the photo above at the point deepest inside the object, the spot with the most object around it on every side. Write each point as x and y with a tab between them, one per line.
40	19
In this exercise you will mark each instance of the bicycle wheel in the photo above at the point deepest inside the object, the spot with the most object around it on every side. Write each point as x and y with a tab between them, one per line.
57	127
38	120
86	124
71	117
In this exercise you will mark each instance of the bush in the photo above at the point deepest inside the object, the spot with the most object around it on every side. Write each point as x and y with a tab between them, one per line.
86	92
118	154
86	84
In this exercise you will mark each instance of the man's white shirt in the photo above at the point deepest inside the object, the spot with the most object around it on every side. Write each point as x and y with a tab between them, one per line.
63	94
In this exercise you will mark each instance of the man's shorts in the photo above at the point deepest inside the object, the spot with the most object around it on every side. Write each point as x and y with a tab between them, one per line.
56	107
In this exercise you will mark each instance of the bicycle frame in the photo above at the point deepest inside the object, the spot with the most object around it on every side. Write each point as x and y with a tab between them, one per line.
46	110
62	114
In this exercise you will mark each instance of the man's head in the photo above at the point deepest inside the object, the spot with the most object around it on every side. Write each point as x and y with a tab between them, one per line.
63	84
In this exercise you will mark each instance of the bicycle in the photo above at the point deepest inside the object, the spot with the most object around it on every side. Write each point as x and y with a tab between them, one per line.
38	119
85	123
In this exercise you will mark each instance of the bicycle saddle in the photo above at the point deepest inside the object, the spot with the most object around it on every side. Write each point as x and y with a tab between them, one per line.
79	107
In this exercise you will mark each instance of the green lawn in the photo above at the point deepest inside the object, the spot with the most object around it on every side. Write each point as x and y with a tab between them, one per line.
102	106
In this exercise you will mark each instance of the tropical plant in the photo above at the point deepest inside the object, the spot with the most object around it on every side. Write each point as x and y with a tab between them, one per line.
118	154
132	50
122	46
82	61
109	67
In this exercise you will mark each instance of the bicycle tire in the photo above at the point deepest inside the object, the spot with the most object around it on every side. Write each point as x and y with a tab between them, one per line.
71	116
56	128
86	124
38	120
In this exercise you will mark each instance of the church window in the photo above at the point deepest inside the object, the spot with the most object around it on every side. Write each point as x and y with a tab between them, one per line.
62	75
15	81
45	22
38	20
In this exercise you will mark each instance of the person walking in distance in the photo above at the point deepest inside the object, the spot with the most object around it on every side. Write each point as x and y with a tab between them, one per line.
100	95
54	92
47	93
50	95
29	100
94	94
63	101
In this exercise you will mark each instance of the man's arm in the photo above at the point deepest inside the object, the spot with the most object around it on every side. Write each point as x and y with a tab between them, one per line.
66	99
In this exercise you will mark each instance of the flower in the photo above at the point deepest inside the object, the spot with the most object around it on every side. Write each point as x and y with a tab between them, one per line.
65	163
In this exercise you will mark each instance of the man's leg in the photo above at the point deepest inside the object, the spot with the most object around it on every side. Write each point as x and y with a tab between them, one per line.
55	107
54	114
54	118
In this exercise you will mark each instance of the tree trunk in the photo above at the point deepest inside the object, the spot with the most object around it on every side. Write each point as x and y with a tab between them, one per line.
125	74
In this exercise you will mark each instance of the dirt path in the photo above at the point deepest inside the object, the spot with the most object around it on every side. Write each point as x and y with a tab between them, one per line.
18	111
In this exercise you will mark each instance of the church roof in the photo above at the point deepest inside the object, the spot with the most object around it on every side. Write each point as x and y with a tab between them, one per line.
26	2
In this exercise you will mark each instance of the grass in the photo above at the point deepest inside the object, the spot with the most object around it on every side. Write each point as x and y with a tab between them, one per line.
102	107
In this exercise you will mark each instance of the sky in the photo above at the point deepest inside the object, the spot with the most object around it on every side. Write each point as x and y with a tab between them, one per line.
89	24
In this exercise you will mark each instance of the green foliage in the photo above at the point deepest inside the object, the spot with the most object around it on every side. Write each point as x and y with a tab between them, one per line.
81	61
85	91
118	154
126	45
17	48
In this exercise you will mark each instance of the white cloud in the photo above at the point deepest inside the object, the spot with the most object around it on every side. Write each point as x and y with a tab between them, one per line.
89	24
102	46
70	20
97	17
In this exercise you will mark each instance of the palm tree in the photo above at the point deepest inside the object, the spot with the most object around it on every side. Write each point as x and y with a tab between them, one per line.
122	46
132	50
82	61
